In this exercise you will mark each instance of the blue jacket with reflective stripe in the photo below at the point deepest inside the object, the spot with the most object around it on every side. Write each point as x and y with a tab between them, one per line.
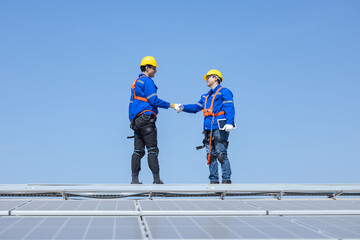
223	102
146	88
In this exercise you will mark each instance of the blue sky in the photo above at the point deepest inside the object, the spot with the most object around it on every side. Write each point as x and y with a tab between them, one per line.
67	68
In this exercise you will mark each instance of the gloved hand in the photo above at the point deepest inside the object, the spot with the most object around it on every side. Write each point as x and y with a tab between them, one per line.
228	127
178	107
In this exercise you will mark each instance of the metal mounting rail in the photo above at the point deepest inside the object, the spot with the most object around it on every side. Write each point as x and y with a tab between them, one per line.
278	191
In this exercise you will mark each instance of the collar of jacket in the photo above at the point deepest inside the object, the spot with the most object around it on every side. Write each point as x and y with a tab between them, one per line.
143	75
214	90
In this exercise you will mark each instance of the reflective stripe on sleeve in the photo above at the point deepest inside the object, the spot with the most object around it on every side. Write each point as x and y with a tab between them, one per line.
140	81
199	104
227	101
152	95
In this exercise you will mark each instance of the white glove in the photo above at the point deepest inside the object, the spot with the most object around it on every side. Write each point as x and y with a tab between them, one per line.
178	107
228	127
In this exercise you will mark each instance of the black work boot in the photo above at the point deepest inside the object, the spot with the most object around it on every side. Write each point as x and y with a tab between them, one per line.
159	182
157	179
226	182
135	179
214	182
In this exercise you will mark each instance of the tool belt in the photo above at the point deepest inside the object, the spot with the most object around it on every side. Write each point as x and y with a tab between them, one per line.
207	139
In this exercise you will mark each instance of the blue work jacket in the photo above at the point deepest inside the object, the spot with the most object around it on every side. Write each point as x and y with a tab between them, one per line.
146	88
223	102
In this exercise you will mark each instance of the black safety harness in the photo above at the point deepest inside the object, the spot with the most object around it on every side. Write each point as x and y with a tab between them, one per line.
207	139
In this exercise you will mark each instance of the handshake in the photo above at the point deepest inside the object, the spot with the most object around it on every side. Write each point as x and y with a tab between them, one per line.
178	107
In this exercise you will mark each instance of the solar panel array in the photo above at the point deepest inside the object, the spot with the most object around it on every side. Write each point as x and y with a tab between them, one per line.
179	219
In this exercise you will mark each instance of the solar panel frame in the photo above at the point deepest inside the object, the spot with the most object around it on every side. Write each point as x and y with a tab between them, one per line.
197	207
309	207
128	190
7	205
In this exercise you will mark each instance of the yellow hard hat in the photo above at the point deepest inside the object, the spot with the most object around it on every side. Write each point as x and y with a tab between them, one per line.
148	60
214	72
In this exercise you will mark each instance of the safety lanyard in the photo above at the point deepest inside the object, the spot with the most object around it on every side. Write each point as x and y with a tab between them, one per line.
209	112
211	134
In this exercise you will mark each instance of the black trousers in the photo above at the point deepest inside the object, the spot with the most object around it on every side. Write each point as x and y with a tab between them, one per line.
145	134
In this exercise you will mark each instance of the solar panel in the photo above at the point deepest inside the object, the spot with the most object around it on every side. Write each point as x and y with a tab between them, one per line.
196	207
7	205
76	207
230	227
334	226
177	218
70	228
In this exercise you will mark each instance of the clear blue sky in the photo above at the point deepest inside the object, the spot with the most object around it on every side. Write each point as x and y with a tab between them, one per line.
66	68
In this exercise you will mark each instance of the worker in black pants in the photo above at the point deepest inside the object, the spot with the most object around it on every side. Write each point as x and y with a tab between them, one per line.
145	134
143	110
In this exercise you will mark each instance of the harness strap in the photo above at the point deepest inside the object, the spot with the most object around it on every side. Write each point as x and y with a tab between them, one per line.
136	97
147	111
219	113
141	98
209	111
